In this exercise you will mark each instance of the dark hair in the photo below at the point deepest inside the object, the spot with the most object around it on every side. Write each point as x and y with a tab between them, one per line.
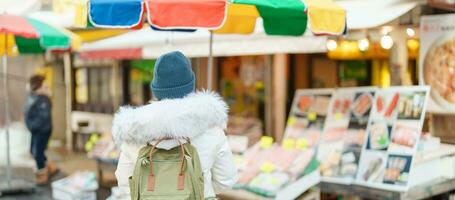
36	81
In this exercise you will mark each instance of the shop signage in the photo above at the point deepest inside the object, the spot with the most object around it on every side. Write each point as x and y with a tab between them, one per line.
442	4
437	57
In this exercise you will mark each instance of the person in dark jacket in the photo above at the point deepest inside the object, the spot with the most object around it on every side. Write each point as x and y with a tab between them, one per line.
38	119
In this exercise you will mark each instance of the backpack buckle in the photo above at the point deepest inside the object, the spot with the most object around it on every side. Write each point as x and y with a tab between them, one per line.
145	162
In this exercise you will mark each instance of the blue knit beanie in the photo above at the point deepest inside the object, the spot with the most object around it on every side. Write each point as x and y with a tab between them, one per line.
173	77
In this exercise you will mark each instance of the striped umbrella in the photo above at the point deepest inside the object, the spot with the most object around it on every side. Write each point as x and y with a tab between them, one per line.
280	17
163	14
32	36
285	17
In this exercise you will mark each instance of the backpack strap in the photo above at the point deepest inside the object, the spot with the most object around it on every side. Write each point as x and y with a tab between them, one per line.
181	175
187	139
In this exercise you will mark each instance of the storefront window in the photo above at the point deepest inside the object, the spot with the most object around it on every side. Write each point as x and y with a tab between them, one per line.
92	89
242	84
354	73
138	77
243	88
323	72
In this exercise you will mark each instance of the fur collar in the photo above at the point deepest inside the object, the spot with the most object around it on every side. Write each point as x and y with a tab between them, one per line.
187	117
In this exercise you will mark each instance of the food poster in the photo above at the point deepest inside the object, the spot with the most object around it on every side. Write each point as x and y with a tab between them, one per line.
437	69
308	115
344	134
393	133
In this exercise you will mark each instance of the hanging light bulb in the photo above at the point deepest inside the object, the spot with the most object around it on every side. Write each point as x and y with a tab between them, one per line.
363	44
331	44
386	42
411	32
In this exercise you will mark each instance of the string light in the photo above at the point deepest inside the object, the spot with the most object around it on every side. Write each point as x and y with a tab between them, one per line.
331	45
386	42
363	44
411	32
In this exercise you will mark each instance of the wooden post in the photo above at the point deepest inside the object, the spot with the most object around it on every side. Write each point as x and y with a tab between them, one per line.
201	71
68	99
399	59
301	74
279	94
268	126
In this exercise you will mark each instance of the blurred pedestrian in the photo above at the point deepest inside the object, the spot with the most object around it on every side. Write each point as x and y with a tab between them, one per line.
38	119
177	112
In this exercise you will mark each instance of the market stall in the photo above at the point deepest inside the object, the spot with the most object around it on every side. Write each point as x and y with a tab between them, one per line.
339	132
364	141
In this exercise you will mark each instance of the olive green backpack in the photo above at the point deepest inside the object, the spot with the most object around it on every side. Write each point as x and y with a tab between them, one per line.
173	174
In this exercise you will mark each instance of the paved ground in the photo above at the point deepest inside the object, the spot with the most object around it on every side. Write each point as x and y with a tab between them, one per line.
68	162
69	165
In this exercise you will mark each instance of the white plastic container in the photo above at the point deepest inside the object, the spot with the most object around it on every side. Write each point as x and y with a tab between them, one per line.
79	186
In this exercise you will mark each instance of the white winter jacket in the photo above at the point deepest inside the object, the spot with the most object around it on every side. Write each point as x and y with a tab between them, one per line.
201	116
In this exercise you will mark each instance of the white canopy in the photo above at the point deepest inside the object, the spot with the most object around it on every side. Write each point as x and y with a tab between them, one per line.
19	7
60	19
232	45
363	14
196	44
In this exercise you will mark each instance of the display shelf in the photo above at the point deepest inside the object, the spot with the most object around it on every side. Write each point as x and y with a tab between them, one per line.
311	194
434	108
427	190
443	151
295	190
425	161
